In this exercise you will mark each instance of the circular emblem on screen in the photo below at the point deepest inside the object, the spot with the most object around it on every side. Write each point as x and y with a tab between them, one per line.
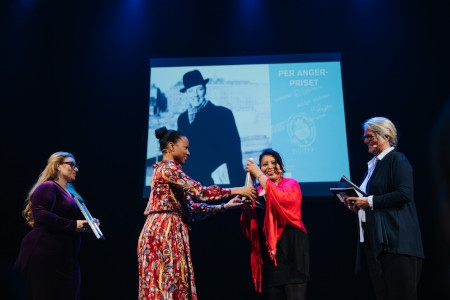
301	130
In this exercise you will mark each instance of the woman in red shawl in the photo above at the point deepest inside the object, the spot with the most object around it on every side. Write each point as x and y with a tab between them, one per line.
280	245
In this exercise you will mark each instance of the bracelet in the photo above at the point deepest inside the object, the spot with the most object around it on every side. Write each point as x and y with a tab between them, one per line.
222	207
259	175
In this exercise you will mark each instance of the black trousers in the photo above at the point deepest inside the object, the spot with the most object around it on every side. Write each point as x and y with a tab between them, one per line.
399	277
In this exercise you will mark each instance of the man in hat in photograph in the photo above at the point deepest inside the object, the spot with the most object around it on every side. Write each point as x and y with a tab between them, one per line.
214	141
215	158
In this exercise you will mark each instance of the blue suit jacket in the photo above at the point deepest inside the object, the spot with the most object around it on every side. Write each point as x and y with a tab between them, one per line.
393	225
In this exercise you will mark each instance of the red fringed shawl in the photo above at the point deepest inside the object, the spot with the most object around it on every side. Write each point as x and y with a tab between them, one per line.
283	206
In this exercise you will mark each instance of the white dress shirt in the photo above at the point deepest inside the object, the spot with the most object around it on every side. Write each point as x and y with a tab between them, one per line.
370	167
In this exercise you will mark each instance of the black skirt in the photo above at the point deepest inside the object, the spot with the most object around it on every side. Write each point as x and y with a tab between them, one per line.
292	259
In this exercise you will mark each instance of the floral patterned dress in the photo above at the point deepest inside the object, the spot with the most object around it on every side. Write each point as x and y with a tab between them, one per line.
164	256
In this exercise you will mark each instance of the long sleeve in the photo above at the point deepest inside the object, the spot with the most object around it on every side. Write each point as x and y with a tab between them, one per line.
394	225
173	174
172	189
49	205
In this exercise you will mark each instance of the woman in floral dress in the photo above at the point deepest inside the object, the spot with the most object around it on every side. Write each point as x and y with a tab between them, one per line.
164	257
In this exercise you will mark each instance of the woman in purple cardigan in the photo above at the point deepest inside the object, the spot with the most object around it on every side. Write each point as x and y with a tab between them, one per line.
48	256
389	228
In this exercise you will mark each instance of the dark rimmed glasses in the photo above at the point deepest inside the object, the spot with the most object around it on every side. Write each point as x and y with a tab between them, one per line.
71	164
368	137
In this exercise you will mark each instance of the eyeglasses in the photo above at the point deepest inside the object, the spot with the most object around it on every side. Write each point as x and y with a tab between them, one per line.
71	164
368	137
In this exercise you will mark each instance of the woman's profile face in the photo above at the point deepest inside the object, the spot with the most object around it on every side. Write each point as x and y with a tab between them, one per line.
181	150
270	167
375	142
68	169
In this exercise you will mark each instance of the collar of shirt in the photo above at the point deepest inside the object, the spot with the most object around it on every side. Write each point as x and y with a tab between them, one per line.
383	154
371	163
192	111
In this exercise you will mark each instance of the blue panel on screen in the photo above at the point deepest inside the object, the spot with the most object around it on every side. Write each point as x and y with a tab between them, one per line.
291	103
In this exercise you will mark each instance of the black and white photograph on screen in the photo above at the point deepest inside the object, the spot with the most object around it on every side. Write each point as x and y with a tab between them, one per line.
223	110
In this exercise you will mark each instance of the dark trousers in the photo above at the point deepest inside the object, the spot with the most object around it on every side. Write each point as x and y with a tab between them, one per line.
399	277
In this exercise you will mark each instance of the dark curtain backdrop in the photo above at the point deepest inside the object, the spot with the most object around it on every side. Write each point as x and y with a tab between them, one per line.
75	77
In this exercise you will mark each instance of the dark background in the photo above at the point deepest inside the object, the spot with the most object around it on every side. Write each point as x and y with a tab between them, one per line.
75	77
